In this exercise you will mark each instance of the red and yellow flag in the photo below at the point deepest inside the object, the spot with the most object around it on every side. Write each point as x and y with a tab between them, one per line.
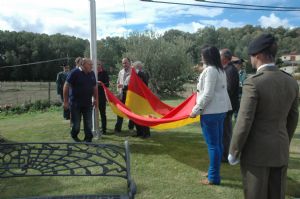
145	109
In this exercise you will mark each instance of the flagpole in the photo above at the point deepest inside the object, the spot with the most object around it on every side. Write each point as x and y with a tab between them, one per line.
93	56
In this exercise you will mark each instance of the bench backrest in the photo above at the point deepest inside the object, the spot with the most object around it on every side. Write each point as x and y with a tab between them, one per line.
65	159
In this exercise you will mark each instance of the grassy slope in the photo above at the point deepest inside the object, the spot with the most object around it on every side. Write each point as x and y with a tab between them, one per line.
167	165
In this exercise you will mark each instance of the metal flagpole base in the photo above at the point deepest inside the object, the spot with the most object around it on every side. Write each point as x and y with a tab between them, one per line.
97	134
95	130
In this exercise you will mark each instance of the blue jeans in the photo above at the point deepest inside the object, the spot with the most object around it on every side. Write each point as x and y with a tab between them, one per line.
212	128
86	113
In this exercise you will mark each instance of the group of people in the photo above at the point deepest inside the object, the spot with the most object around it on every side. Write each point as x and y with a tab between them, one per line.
122	86
266	106
80	92
266	120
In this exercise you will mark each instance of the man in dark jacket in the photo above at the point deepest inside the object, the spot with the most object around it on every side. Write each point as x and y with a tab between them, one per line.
142	131
104	78
232	76
60	81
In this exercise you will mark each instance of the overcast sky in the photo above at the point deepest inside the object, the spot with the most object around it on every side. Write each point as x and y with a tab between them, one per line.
120	17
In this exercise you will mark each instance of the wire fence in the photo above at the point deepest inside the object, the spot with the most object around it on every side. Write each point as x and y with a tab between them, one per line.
18	93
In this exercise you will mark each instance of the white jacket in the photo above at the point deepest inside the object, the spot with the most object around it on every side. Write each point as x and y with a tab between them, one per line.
212	96
122	76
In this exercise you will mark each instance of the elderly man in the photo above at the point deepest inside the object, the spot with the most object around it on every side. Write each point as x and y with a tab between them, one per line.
266	123
232	76
141	131
82	82
122	81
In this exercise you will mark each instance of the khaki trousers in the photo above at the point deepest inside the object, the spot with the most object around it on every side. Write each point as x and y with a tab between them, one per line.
264	182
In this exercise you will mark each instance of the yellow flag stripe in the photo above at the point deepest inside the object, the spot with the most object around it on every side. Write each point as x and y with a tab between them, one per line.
176	124
142	107
116	110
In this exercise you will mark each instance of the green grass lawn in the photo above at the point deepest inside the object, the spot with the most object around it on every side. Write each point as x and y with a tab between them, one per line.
167	165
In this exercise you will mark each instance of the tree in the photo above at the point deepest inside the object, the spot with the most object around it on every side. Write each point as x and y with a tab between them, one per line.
168	63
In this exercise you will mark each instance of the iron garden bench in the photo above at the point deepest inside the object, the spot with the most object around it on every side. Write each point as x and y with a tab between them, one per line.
68	159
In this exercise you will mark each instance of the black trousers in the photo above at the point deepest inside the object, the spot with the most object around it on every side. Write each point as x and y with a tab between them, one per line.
102	110
263	182
143	131
227	133
119	123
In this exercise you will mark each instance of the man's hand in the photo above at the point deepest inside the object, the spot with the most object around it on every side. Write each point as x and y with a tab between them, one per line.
233	160
66	105
95	103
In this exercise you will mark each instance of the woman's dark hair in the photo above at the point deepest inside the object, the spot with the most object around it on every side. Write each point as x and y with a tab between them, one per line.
211	56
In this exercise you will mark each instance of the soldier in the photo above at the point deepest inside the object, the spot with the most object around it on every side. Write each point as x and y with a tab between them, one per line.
266	123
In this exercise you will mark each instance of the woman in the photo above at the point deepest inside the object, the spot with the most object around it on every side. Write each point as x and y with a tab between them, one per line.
212	103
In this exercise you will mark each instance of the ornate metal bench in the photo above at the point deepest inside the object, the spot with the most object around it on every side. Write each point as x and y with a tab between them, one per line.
67	159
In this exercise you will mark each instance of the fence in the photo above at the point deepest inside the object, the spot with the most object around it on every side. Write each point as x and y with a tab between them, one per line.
17	93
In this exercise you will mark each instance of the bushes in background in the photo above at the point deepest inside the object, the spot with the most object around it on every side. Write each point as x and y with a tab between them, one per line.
39	105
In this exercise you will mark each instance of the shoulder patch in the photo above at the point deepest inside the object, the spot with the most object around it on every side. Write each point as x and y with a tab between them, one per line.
286	73
257	75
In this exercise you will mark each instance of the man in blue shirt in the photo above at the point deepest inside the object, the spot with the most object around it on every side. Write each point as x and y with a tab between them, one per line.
79	89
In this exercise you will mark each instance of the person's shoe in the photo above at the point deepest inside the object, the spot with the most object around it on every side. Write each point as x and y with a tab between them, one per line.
146	136
117	130
76	139
207	182
138	135
131	130
88	140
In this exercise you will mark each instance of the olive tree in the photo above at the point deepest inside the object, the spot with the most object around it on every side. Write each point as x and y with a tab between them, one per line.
167	62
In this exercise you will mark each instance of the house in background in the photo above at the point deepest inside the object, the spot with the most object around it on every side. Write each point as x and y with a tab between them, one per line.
291	59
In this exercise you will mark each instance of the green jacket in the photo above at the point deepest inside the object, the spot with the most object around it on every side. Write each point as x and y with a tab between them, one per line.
60	81
267	118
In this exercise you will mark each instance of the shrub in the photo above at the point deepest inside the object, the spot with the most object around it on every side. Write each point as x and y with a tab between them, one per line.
39	105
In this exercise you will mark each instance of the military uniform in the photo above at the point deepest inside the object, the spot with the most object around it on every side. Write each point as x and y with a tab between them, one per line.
265	125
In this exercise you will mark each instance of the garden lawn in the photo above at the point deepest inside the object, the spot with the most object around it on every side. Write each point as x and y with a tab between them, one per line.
166	165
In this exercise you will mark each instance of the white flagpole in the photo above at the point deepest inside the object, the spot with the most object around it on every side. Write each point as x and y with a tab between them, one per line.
93	55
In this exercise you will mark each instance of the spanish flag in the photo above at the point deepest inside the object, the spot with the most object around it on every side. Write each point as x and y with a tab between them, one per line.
145	109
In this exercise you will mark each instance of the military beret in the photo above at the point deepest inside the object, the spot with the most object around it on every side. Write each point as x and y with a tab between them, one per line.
260	43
